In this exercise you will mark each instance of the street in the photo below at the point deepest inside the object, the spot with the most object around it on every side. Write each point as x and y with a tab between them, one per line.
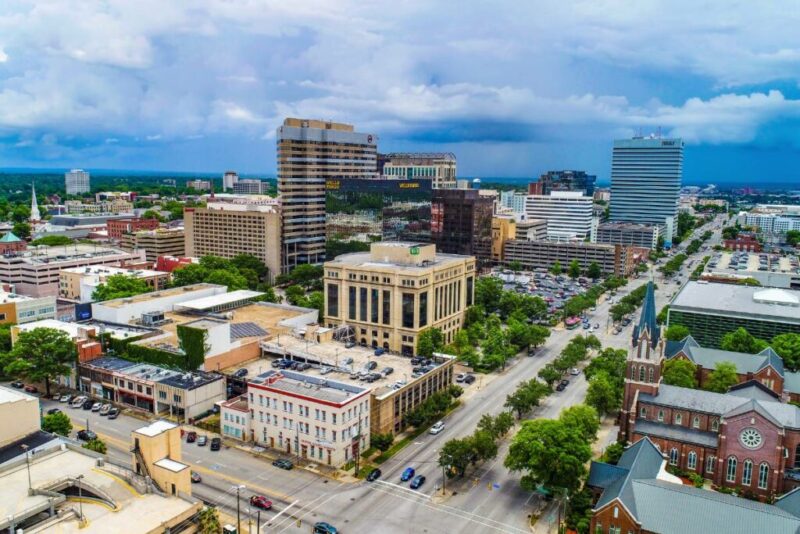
489	499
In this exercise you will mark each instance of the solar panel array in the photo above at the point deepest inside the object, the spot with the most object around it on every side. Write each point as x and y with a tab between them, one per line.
239	330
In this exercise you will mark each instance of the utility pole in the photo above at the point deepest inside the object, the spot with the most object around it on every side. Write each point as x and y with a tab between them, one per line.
28	464
238	507
258	521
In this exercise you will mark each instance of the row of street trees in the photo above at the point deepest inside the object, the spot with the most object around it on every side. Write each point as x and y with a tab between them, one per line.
573	270
576	351
629	303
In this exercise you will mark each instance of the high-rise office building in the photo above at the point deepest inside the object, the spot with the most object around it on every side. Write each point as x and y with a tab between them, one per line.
646	180
76	182
461	222
309	153
229	179
563	181
250	187
568	213
439	167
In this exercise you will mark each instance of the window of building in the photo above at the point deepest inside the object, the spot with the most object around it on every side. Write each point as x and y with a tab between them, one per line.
730	474
351	303
162	395
423	309
362	304
661	416
747	473
691	460
643	412
408	310
373	302
333	300
711	461
633	372
641	373
714	425
678	419
696	422
387	306
651	375
673	456
763	475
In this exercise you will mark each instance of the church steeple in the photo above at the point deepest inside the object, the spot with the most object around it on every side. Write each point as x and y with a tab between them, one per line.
35	215
648	327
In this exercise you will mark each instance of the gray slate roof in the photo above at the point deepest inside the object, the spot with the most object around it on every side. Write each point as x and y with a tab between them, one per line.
709	358
790	502
675	432
640	460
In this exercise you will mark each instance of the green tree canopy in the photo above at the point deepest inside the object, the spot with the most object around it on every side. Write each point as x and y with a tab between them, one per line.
556	269
574	269
231	279
457	455
209	521
488	291
722	377
430	340
52	241
527	396
40	355
119	286
793	238
594	271
583	418
740	340
602	395
153	214
57	423
677	332
96	445
680	372
515	266
788	347
22	230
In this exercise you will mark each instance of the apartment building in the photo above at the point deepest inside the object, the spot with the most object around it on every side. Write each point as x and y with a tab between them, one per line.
19	309
200	185
229	179
629	234
117	227
439	167
127	196
79	283
156	243
397	289
76	182
612	259
228	229
568	213
36	272
514	201
250	187
309	153
103	206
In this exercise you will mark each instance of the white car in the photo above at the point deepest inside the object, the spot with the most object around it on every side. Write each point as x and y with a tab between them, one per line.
77	402
574	371
105	409
96	406
436	428
460	377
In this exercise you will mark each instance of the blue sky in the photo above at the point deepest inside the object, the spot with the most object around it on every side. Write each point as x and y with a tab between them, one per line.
513	88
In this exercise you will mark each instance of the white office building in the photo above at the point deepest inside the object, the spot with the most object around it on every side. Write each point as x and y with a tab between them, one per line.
229	179
513	200
76	182
568	214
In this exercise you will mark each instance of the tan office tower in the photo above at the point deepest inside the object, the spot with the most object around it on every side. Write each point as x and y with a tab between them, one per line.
309	153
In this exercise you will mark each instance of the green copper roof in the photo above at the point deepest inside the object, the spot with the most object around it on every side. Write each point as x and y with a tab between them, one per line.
10	238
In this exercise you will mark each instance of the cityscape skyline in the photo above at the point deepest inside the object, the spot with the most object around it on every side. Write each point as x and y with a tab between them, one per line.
189	92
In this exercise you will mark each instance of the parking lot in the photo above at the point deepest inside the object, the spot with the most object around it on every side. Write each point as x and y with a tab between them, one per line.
553	289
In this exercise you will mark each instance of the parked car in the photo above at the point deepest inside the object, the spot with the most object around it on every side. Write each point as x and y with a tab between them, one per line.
216	444
370	366
51	411
386	371
196	478
469	379
77	402
408	473
191	437
418	481
31	389
436	428
574	371
324	528
86	435
201	441
374	475
105	409
379	351
96	406
347	361
460	377
325	370
259	501
113	413
532	351
240	373
350	344
283	464
87	404
17	385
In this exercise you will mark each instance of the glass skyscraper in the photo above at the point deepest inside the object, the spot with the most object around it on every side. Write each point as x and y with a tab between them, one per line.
646	177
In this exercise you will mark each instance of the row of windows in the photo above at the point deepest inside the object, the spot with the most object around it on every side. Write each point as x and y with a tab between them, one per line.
747	472
304	411
678	419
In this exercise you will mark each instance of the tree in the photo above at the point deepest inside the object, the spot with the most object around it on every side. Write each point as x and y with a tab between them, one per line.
594	271
613	453
549	453
602	395
456	454
574	269
488	291
294	294
20	213
677	332
382	442
40	355
231	279
556	269
119	286
549	374
483	445
740	340
788	347
96	445
248	261
153	214
515	266
722	377
583	418
455	391
192	273
793	238
53	241
22	230
429	341
680	372
208	519
527	396
57	423
497	426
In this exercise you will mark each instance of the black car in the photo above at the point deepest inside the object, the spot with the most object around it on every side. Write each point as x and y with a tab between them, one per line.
469	379
17	385
283	464
416	360
51	411
371	366
113	413
87	404
86	435
374	475
562	385
241	373
216	443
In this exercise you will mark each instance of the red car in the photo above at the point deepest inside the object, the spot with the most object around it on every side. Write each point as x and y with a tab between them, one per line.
31	389
259	501
191	437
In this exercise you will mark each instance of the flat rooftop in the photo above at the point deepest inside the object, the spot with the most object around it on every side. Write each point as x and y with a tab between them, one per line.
13	297
308	385
67	253
207	303
744	262
740	301
109	270
11	395
156	428
368	261
164	293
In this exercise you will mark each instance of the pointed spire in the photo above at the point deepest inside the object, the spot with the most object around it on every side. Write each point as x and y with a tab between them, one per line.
647	321
35	215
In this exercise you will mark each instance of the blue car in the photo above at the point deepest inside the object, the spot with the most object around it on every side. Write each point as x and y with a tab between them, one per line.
407	475
418	481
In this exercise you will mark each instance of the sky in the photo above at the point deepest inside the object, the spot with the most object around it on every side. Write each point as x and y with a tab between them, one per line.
513	88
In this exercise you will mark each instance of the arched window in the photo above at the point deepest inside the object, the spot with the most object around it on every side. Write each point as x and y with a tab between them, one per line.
633	372
747	473
696	422
673	456
730	474
763	476
641	374
678	418
691	460
651	375
711	461
714	425
643	413
661	415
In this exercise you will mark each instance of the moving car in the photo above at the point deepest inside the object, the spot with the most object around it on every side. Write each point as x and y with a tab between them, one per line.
201	441
196	478
216	443
407	474
86	435
283	464
259	501
51	411
374	475
105	409
418	481
191	437
436	428
324	528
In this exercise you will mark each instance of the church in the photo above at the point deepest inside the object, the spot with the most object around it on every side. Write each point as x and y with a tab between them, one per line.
747	439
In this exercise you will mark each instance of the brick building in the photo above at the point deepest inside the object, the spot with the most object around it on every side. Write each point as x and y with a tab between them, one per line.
745	242
117	227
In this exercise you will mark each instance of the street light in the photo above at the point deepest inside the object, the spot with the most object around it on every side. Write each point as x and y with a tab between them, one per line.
28	465
80	495
444	472
238	511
